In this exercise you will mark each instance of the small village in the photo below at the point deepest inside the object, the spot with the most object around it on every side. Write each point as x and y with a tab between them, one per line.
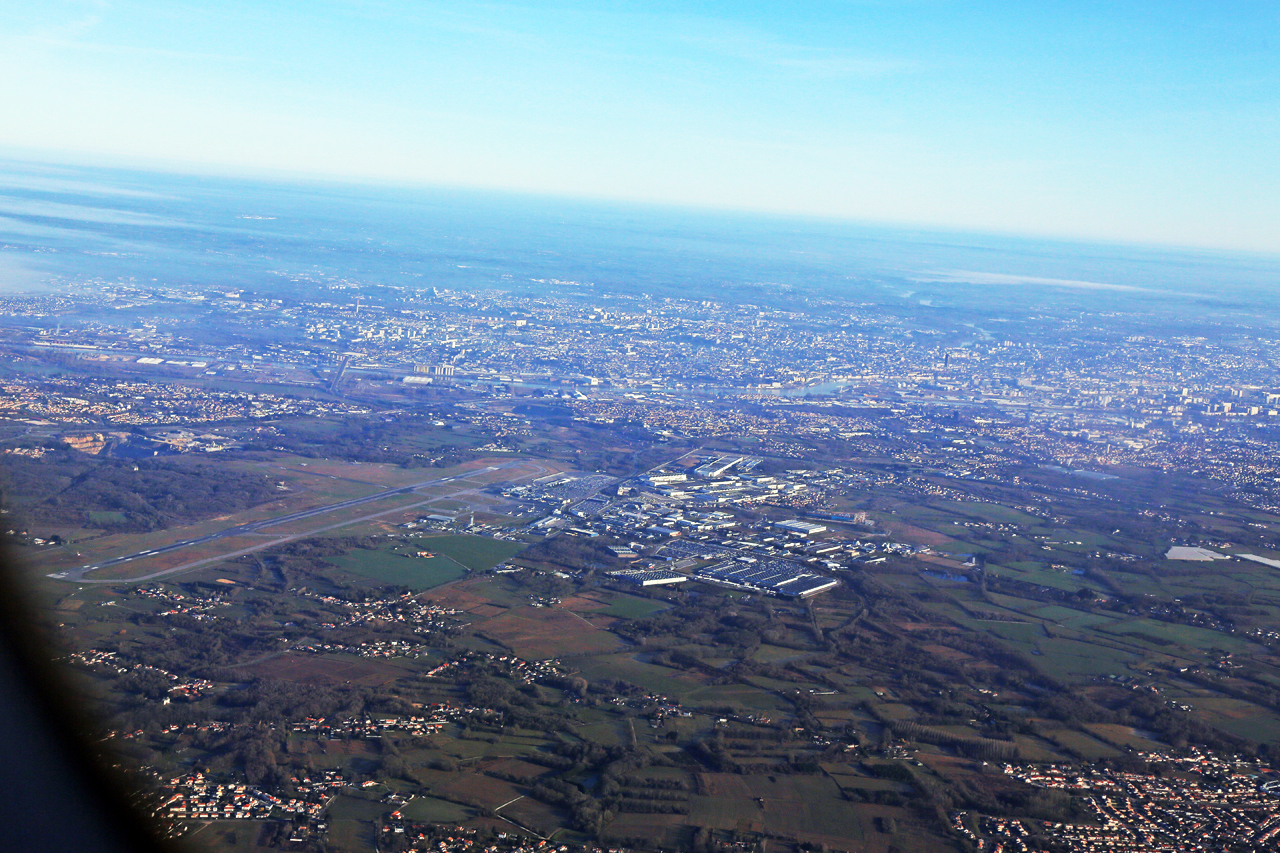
1193	801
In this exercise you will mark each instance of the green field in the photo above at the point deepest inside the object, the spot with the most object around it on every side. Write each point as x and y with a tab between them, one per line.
744	697
991	512
346	807
809	808
430	809
1238	717
1185	635
1087	747
772	654
107	516
389	567
1066	658
631	607
1124	736
659	679
352	835
1034	749
1042	576
793	715
478	553
610	733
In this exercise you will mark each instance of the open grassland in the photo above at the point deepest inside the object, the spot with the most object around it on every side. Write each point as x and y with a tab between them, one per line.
1124	737
658	679
353	834
1189	636
327	669
667	830
1041	576
631	607
607	733
387	566
1237	716
433	810
477	553
981	511
541	633
1071	659
1082	745
373	473
824	722
810	809
775	654
743	697
354	808
231	837
1038	749
476	592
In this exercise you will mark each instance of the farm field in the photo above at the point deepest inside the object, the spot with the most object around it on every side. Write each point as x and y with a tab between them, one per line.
328	669
541	633
630	607
391	567
349	512
668	715
477	553
434	810
811	809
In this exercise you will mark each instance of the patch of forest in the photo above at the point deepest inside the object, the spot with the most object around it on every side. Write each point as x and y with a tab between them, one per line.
121	496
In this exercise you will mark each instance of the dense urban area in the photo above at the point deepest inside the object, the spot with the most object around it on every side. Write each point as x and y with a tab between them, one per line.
355	567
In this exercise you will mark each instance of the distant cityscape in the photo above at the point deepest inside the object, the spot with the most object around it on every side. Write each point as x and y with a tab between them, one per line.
685	573
1076	392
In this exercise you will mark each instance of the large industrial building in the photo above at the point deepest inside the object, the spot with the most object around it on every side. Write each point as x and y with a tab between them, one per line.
778	577
801	528
649	577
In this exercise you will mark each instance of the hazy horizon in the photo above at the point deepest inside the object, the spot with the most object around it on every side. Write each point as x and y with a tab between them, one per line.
1145	124
63	223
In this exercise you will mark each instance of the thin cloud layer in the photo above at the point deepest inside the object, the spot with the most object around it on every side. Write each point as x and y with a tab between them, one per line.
969	277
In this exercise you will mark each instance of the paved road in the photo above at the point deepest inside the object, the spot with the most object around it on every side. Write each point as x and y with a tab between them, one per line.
78	575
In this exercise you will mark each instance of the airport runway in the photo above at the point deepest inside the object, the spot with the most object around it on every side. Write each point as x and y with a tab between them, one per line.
78	575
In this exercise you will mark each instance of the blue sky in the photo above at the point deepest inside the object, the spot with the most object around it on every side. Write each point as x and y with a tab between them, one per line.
1145	122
